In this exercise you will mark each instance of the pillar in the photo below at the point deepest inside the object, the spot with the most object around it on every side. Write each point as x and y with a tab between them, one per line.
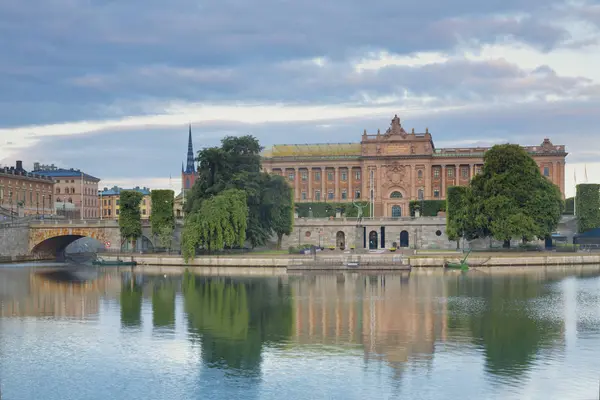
457	174
323	183
296	184
427	181
336	180
309	195
413	182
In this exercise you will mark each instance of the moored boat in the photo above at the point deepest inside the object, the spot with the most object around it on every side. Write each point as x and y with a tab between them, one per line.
115	263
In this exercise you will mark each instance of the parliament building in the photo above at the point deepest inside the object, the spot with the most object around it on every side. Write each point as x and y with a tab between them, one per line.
390	169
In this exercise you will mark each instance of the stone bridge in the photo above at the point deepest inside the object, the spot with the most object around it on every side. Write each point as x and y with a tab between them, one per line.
49	239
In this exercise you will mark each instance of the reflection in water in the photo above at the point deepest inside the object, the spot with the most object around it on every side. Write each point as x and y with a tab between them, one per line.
234	318
345	335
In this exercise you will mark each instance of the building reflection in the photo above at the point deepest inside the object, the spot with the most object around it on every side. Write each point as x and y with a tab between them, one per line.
58	293
392	317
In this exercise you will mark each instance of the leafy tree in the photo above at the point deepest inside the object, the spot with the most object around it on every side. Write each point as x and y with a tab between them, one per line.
162	219
456	213
130	219
511	199
278	198
236	165
220	222
588	207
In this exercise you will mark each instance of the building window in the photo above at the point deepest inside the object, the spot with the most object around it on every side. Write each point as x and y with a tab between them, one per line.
420	194
110	202
318	176
357	175
420	174
465	172
143	202
330	176
478	170
344	195
396	211
117	211
303	195
144	211
546	171
304	175
450	172
344	176
317	195
104	202
330	195
70	200
357	194
109	212
396	195
436	193
436	172
291	176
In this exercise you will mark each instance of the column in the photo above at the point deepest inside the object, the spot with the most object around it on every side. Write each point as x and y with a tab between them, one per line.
296	184
413	182
442	182
336	179
350	189
309	195
555	172
323	184
457	174
427	181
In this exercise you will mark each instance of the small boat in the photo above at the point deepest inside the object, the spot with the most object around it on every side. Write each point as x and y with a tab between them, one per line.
115	263
461	265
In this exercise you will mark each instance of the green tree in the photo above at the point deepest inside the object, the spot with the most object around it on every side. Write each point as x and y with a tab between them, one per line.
278	199
587	207
162	218
218	223
130	219
511	199
456	213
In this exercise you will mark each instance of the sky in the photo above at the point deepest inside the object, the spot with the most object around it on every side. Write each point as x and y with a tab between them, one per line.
110	86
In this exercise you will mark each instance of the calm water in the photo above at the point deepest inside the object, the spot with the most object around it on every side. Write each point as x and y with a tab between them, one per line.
113	335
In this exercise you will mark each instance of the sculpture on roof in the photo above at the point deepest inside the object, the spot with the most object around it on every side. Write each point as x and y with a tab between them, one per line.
395	127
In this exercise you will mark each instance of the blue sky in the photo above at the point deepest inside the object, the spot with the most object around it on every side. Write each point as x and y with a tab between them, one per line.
110	87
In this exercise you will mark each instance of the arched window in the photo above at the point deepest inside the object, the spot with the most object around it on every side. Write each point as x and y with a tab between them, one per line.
396	195
57	190
58	199
396	211
72	190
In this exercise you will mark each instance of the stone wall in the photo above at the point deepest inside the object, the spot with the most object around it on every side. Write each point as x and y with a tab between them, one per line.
13	242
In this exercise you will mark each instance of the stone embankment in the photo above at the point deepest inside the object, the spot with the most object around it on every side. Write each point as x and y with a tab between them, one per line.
267	261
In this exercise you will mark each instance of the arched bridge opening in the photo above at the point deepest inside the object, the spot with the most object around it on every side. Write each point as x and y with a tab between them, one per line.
54	247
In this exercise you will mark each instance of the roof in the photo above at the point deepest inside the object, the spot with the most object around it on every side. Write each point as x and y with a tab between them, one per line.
116	191
313	150
63	173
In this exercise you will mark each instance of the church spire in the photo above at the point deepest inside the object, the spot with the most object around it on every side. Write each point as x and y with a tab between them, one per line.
189	169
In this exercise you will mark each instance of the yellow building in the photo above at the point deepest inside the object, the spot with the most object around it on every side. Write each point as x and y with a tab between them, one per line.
109	202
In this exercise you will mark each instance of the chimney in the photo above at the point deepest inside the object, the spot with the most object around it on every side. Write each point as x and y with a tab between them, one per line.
20	165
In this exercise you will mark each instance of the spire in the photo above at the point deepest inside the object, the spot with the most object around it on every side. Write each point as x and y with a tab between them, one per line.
189	169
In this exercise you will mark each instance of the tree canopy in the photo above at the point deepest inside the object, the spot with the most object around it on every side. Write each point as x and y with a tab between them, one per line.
162	218
588	207
130	220
236	165
510	199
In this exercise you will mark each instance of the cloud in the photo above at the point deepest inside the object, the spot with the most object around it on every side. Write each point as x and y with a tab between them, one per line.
111	86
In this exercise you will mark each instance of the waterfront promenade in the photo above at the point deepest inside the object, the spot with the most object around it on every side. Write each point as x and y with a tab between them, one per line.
427	260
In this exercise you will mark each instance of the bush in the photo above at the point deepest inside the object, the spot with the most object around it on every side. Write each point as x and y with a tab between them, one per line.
428	208
588	207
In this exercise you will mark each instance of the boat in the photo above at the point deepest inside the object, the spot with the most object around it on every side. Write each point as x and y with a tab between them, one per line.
461	265
114	263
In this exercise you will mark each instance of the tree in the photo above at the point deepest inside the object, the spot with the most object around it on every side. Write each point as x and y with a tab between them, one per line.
162	218
236	165
587	207
130	219
456	213
278	198
511	199
220	222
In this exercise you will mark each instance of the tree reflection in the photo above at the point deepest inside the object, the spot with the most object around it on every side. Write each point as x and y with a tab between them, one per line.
234	318
504	323
131	304
163	304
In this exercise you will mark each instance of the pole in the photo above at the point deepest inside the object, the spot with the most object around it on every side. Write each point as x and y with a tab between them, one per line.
81	208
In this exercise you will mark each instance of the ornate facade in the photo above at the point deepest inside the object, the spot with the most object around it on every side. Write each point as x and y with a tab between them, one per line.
391	168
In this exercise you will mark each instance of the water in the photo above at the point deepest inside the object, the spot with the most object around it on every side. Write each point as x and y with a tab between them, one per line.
111	334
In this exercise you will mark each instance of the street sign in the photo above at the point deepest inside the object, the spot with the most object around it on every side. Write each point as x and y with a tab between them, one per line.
107	244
